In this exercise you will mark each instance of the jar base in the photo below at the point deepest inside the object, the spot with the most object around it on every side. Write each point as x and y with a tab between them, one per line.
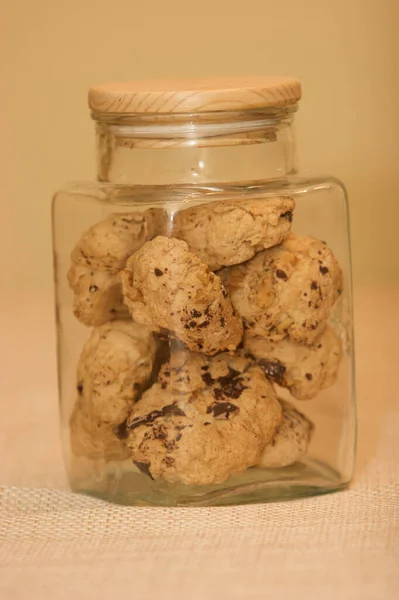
119	485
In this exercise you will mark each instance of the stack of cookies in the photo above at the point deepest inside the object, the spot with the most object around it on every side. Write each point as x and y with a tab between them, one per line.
199	317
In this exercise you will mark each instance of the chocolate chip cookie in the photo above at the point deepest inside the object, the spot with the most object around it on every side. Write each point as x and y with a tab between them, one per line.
304	370
116	364
205	419
98	296
171	291
98	257
290	443
230	232
286	290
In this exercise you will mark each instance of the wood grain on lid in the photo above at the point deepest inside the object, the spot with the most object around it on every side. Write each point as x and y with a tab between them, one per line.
194	95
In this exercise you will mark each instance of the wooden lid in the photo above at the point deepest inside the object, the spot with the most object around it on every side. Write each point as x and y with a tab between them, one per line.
194	95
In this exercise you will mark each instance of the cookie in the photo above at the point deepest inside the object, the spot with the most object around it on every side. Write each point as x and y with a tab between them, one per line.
99	256
93	439
98	296
117	363
205	419
290	443
171	291
286	290
229	232
304	370
107	244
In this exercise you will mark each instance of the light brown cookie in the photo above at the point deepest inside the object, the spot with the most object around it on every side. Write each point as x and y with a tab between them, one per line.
169	289
206	419
98	296
97	259
229	232
93	439
107	245
290	443
116	364
304	370
286	290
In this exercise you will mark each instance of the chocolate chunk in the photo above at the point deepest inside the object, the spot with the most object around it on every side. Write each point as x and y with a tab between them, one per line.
235	388
224	379
287	215
179	437
93	288
207	423
217	392
281	274
204	367
168	410
145	420
196	313
314	325
207	378
192	324
273	369
225	409
120	431
313	285
323	270
143	468
222	321
203	324
309	376
158	272
80	388
173	410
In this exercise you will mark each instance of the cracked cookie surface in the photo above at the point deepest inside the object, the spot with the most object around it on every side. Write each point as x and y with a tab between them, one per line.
304	370
205	419
171	291
116	364
229	232
286	290
99	256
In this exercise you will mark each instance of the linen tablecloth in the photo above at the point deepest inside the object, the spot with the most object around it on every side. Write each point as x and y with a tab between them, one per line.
54	544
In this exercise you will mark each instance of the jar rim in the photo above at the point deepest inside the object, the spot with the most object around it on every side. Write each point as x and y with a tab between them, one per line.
195	118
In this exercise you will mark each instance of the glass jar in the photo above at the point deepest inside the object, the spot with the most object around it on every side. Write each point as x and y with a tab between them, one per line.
204	308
